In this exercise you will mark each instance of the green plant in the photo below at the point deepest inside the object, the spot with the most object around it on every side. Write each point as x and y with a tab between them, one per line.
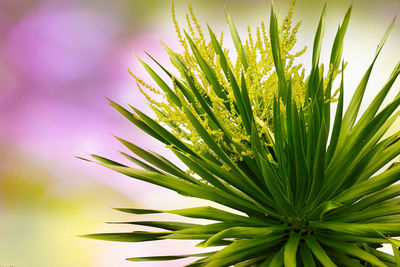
256	137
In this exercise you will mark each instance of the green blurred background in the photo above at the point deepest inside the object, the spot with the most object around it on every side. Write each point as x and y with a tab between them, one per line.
59	59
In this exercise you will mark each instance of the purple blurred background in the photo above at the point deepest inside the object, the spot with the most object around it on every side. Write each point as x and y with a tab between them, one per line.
60	59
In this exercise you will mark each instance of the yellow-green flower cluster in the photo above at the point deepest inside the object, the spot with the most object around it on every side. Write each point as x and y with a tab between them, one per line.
259	75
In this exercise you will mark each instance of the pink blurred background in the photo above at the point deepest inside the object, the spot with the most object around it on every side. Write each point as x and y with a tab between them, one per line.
60	59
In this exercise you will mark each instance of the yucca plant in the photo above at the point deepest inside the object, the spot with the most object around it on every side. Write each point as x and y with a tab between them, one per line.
256	137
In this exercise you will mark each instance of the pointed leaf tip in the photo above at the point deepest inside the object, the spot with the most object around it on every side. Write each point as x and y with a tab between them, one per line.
81	158
116	137
109	100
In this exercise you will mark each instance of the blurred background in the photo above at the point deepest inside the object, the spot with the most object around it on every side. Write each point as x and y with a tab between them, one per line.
60	59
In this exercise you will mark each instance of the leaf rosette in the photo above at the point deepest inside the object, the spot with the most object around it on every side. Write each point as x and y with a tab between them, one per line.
256	136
